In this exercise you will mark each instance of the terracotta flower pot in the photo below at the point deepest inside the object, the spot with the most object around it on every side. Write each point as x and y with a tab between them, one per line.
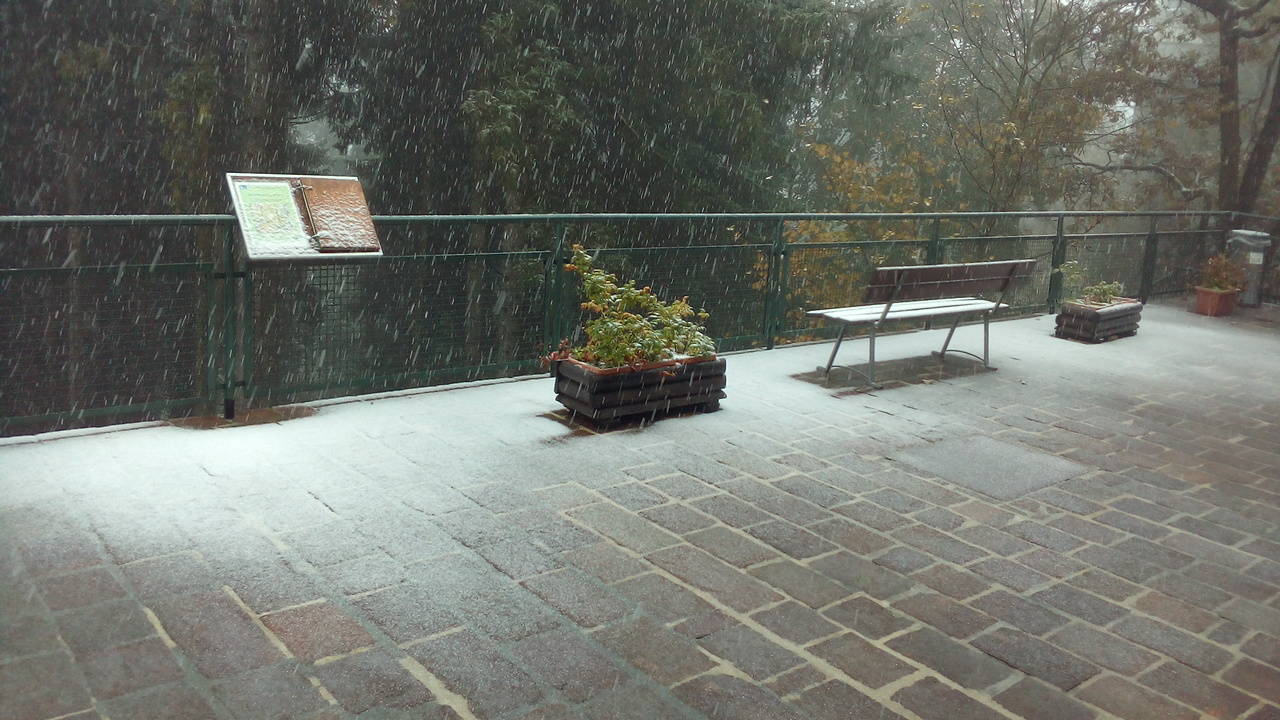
606	394
1215	303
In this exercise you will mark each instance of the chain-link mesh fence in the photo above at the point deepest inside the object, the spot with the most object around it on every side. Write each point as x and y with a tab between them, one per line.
728	281
101	324
825	275
94	323
1183	248
400	322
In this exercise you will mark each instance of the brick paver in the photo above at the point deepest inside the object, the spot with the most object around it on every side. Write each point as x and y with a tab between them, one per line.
1036	657
1033	699
1128	701
126	668
956	661
795	622
215	633
1104	649
172	702
372	680
279	690
313	632
574	665
933	700
862	660
951	617
766	561
834	700
751	652
663	655
477	669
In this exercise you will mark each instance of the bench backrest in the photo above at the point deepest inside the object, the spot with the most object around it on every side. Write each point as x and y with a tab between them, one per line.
935	282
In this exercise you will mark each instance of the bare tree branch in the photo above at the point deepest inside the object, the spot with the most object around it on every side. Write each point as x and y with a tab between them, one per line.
1267	26
1253	9
1187	193
1216	8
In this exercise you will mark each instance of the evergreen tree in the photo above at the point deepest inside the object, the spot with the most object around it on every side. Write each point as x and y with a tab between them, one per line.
577	105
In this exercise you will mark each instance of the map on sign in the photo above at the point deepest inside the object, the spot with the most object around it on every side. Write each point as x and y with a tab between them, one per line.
269	218
303	218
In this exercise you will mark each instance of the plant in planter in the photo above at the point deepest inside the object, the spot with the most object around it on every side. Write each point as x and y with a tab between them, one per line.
643	356
1220	284
1098	313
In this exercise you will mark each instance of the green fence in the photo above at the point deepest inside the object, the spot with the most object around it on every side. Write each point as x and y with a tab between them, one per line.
115	318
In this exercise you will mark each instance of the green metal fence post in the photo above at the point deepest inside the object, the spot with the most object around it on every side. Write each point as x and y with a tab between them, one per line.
229	325
555	315
773	285
1055	271
784	288
247	346
550	291
935	253
211	385
1150	250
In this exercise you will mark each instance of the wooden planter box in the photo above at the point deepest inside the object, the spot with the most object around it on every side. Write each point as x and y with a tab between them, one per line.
615	393
1215	303
1096	322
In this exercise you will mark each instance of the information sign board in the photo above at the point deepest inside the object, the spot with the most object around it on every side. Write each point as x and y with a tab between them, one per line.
303	218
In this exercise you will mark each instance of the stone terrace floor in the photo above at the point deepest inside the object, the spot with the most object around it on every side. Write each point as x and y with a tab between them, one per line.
462	553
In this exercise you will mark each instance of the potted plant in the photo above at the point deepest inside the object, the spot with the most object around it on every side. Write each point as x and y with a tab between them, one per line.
1220	284
1098	313
643	356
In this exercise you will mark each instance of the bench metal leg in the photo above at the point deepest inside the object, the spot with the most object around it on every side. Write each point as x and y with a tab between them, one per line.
986	339
870	375
871	367
831	360
986	343
952	331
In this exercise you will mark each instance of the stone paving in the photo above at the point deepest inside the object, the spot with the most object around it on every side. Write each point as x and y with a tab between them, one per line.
464	554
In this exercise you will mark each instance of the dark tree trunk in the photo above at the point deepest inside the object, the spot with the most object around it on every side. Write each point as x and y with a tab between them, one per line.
1228	112
266	99
1264	145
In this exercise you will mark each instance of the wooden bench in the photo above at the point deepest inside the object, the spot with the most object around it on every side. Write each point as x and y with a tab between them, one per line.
928	291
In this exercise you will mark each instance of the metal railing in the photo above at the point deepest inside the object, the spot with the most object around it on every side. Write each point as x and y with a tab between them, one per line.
110	318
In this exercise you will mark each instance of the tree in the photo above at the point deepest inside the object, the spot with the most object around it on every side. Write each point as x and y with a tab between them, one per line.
238	76
75	91
1190	111
583	105
1025	86
1239	189
577	105
1008	96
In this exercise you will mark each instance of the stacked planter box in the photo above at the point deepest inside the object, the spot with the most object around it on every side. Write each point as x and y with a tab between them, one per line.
1097	323
618	393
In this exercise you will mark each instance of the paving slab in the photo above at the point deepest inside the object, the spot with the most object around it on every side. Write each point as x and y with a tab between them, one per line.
1092	531
999	469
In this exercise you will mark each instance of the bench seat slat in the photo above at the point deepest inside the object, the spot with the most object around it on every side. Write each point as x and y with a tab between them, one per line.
902	311
904	305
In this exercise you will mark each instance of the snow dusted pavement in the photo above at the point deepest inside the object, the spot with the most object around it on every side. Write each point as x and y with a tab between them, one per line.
1091	531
